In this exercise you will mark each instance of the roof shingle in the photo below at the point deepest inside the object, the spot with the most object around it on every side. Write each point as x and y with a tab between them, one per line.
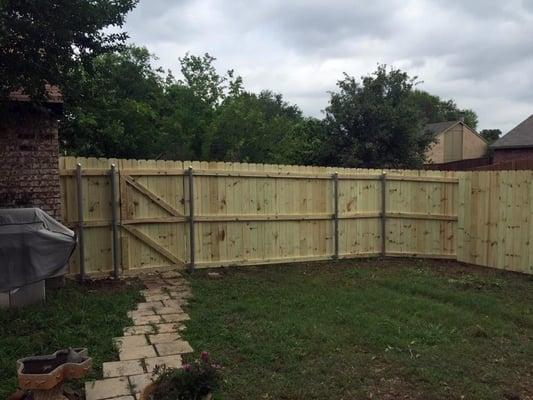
520	136
438	127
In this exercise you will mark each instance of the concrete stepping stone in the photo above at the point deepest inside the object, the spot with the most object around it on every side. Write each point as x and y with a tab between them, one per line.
179	289
163	338
179	295
171	348
175	317
139	382
122	368
167	328
107	388
140	329
168	361
169	310
151	292
156	297
130	341
149	305
147	319
173	303
153	285
140	313
136	352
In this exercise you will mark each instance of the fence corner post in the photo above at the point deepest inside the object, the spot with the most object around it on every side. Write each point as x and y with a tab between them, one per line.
81	243
336	214
114	226
383	213
191	218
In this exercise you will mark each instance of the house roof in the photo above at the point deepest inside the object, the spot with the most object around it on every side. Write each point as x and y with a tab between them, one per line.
438	127
520	136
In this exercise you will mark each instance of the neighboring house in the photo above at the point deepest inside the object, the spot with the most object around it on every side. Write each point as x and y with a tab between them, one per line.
516	144
455	141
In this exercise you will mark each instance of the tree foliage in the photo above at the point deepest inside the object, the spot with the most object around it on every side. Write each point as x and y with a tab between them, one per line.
125	108
374	123
257	128
114	110
434	109
490	135
41	42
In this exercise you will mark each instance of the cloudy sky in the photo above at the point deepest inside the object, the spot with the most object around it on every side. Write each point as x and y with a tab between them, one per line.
478	52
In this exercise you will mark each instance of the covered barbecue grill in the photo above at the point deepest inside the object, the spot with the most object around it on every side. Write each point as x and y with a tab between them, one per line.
33	247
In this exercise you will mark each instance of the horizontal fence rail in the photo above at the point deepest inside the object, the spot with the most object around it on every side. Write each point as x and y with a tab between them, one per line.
146	214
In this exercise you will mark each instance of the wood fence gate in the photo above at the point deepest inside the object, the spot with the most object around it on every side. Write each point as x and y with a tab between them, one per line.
152	210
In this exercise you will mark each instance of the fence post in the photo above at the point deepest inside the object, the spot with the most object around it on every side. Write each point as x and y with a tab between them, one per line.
81	244
191	218
383	213
336	214
114	241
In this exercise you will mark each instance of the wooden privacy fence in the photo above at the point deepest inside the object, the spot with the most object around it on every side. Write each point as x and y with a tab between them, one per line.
154	214
496	219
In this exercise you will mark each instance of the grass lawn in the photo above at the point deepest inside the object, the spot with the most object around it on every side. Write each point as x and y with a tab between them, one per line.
393	329
76	316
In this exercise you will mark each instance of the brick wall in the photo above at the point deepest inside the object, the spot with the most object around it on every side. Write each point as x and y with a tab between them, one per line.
29	156
503	155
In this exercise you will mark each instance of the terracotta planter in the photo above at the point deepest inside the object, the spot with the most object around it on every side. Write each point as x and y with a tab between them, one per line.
148	390
49	371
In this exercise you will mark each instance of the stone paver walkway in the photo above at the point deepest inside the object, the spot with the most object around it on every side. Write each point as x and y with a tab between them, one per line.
153	340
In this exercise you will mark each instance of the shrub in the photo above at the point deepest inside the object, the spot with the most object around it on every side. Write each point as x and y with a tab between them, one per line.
193	381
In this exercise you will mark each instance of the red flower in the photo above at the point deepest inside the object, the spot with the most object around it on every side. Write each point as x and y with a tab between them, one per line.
204	355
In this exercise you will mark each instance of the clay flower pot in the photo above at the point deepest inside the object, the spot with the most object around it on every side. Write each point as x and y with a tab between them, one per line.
47	372
148	390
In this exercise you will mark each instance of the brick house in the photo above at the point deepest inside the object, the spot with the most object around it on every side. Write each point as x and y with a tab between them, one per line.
517	144
29	153
455	141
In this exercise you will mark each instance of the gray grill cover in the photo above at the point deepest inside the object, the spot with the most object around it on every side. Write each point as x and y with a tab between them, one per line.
33	247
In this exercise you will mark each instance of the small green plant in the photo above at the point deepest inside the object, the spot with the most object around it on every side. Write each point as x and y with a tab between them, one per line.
193	381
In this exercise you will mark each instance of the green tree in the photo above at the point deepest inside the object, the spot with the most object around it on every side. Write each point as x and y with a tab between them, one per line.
40	42
128	109
434	109
201	76
114	110
185	124
373	123
258	128
490	135
192	105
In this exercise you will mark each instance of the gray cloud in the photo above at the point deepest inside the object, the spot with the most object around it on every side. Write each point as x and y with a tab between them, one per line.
478	52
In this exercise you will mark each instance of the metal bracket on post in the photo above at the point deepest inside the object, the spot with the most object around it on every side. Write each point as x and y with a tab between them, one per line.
336	214
114	218
80	222
383	213
191	218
